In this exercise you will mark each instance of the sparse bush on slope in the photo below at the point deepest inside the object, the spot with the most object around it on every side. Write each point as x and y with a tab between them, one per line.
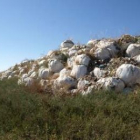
29	115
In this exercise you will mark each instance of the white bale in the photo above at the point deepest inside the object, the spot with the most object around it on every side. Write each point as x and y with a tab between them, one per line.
102	54
78	71
71	61
82	84
111	83
65	82
82	59
133	50
43	73
55	66
92	43
105	50
72	52
137	58
65	72
129	73
28	81
98	73
66	44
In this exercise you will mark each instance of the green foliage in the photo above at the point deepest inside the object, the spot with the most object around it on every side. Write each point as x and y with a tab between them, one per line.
25	115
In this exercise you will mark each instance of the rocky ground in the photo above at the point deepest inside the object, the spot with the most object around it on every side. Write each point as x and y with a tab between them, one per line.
109	64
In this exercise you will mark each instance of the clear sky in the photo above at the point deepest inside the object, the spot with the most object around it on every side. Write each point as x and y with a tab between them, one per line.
30	28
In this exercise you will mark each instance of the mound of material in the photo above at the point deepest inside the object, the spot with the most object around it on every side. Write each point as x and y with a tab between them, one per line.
111	64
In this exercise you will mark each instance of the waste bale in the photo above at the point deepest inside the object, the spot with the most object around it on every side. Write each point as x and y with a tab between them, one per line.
55	65
66	44
82	84
44	73
137	58
82	59
129	73
65	82
65	72
106	50
111	83
78	71
98	73
92	43
133	50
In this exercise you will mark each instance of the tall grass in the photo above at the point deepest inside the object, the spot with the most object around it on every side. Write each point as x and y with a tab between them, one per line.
28	115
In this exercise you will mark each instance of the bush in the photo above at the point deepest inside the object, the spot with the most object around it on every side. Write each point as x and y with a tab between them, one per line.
27	115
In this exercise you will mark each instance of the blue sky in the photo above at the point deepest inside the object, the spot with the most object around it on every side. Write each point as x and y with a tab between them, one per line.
30	28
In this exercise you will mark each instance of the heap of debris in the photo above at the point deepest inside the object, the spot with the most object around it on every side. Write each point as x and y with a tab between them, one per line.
109	64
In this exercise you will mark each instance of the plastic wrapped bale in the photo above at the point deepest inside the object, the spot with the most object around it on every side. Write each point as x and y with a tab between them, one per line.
105	50
111	83
65	82
102	54
129	73
66	44
82	59
71	61
28	81
125	41
55	66
133	50
137	58
98	73
65	72
73	51
92	43
82	84
43	73
78	71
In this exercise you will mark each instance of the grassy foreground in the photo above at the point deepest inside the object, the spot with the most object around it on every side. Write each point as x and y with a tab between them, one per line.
26	115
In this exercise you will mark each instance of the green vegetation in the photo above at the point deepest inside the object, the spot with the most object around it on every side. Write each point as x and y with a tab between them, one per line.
28	115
